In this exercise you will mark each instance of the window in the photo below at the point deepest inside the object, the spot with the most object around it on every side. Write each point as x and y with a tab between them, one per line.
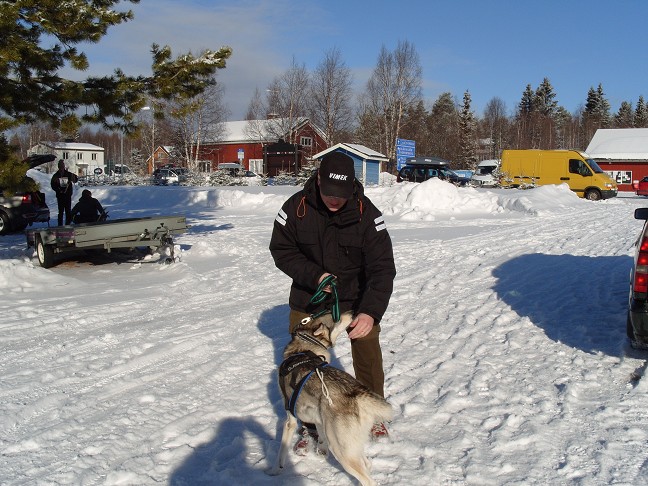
306	141
94	156
79	155
66	155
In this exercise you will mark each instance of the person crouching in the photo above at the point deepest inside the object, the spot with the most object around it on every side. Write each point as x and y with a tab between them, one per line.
88	209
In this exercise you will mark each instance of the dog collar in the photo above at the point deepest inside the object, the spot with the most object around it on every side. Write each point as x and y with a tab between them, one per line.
310	339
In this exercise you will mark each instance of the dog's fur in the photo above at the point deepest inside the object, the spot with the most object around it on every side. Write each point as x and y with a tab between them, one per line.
344	423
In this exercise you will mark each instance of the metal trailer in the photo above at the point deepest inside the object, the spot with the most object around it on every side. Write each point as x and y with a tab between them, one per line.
153	232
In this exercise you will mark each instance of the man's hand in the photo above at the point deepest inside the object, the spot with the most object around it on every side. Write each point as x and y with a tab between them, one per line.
361	326
328	287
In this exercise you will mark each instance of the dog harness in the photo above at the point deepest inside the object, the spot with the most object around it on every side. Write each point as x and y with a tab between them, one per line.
300	361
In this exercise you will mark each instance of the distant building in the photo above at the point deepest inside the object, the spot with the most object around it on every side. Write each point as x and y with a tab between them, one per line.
367	162
161	157
622	153
80	158
262	146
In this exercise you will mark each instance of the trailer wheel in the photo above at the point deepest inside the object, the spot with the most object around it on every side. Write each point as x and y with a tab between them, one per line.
44	252
592	194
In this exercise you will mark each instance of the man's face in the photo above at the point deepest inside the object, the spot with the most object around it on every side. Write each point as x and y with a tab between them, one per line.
331	202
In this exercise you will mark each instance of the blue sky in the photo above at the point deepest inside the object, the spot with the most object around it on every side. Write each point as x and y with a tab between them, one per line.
491	48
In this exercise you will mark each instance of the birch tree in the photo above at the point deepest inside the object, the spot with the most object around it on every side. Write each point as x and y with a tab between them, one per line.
393	88
331	96
288	101
195	119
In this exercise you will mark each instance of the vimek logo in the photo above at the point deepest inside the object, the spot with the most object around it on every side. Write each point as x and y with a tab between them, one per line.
339	177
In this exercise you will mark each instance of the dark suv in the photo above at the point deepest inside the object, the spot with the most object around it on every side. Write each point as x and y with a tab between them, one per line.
19	209
419	169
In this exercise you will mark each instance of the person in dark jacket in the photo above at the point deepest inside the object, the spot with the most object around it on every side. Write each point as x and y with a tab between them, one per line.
88	209
331	228
61	183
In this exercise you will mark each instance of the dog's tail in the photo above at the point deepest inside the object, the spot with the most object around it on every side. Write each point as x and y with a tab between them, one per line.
378	409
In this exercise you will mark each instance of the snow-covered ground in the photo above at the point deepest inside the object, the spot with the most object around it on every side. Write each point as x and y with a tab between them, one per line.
504	344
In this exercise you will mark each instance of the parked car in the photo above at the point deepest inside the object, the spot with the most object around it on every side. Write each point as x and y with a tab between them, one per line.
166	177
21	209
637	322
483	176
420	169
641	187
235	169
118	169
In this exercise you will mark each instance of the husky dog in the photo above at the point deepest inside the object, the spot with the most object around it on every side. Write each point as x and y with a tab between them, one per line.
342	409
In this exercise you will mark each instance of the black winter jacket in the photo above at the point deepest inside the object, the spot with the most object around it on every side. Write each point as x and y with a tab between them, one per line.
87	210
353	244
62	183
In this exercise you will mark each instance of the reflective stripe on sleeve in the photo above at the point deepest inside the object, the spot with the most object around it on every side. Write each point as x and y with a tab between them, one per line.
281	217
380	223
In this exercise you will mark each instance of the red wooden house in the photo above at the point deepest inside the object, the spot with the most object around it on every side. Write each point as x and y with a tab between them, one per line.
263	146
622	153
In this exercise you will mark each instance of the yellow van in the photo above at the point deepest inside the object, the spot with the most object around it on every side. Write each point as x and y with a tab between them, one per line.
542	167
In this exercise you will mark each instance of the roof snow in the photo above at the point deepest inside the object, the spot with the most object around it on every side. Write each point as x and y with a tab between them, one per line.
619	144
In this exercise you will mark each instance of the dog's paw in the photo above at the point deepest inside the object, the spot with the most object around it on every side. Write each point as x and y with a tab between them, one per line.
322	450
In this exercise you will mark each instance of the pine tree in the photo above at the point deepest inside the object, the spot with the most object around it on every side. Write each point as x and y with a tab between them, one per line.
39	39
544	101
625	116
305	172
12	171
467	132
222	178
523	118
597	107
597	112
641	114
592	101
525	107
604	108
443	129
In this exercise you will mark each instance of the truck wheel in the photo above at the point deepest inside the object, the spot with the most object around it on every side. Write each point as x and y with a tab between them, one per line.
5	227
592	194
45	253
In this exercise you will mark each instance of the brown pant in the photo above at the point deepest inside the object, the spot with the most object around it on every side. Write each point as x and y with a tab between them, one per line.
365	352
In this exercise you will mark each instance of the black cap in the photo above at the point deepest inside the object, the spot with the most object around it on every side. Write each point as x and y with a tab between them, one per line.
337	175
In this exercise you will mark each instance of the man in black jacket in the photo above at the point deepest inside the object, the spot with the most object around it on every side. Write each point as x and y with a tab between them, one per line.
88	209
332	228
62	181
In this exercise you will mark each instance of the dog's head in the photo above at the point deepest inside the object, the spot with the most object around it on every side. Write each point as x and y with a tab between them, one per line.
317	334
326	330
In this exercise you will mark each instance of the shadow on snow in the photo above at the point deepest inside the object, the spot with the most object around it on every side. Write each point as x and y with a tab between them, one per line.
579	301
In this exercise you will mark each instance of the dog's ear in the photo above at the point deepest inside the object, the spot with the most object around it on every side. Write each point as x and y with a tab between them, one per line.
321	330
345	320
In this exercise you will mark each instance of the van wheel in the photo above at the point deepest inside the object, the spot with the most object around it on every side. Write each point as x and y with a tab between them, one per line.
44	252
592	195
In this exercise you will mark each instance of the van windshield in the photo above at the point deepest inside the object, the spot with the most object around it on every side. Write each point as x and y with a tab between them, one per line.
594	166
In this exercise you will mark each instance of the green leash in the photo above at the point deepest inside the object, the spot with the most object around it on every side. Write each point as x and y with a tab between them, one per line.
320	296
